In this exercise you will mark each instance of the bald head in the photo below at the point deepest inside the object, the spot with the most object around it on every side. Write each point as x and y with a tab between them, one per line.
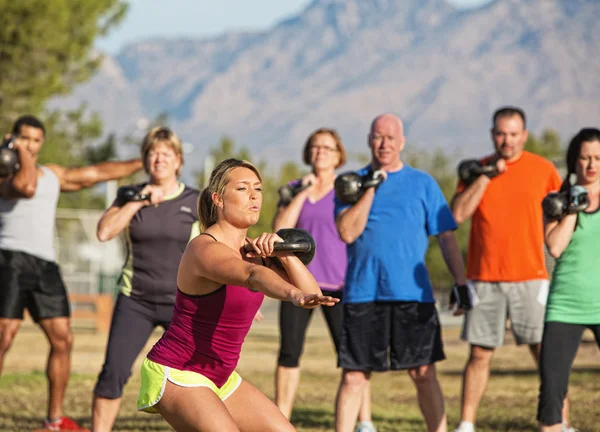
386	141
388	120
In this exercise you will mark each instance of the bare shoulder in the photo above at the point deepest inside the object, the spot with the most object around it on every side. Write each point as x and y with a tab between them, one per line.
205	249
207	264
193	276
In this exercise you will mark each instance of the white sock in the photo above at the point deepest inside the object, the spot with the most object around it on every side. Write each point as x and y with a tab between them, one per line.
465	426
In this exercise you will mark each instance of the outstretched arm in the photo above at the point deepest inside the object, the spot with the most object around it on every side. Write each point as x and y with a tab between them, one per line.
293	271
209	260
74	179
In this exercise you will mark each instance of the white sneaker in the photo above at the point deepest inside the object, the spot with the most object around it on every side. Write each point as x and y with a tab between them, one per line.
465	427
365	426
566	428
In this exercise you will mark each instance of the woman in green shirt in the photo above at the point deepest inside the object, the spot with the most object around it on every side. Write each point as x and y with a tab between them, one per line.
574	298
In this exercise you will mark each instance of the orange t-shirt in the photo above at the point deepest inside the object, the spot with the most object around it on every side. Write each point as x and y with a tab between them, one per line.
507	231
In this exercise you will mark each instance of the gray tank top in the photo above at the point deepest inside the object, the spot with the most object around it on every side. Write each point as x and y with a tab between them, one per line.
27	225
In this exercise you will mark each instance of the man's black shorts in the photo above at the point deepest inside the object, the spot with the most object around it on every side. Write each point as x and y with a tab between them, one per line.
30	282
381	336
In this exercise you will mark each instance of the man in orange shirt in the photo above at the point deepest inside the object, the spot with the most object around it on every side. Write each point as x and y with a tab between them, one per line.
505	261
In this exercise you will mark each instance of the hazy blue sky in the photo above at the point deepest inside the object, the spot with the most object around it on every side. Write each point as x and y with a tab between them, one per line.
196	18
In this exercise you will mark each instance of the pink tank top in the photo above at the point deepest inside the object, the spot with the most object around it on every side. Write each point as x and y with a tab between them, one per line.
207	332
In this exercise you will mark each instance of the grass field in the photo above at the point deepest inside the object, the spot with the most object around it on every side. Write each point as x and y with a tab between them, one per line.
509	403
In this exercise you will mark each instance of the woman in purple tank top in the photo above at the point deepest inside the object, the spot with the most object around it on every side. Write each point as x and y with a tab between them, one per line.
189	375
313	210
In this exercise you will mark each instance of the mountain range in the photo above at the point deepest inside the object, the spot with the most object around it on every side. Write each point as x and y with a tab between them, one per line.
338	63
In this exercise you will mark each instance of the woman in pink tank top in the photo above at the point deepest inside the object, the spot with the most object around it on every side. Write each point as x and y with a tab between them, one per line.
189	375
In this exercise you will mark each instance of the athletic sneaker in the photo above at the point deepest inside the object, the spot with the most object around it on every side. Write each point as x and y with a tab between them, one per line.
465	427
566	428
63	424
365	426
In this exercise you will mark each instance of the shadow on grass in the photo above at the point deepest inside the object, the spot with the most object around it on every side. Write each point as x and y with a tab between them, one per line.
312	418
149	423
9	422
318	418
19	422
507	425
519	372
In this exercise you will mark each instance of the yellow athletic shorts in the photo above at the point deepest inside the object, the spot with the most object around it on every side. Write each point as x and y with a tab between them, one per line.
155	376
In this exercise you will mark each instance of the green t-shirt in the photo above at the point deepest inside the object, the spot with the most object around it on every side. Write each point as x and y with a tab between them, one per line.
574	296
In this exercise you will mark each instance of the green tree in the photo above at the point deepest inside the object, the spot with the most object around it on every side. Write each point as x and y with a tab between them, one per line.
68	135
271	183
224	150
70	138
548	145
103	152
46	49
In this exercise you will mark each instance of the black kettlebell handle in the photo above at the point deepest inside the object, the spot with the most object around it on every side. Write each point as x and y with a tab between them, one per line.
292	247
9	142
284	247
129	193
295	240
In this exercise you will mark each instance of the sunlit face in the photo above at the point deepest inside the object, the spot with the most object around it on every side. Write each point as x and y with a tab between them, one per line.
242	199
324	153
509	136
587	166
386	141
31	138
162	162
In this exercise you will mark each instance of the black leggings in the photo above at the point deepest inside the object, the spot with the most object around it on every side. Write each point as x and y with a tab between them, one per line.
293	322
132	324
559	347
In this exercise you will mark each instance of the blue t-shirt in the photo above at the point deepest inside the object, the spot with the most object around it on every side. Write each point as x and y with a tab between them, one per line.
387	261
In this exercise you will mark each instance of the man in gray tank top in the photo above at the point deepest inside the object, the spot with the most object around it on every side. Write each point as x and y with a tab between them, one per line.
29	276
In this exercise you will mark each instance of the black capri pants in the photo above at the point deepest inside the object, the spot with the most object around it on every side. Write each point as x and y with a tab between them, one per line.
132	324
293	322
559	347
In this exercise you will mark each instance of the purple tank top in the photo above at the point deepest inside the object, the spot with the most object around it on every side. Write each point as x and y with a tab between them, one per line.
207	332
329	264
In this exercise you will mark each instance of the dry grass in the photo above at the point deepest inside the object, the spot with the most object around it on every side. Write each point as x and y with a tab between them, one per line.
509	403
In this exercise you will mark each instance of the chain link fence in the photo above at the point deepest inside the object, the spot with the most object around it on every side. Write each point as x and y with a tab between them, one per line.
87	265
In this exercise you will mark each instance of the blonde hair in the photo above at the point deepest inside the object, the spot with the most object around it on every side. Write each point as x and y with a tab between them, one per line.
338	143
161	134
207	210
